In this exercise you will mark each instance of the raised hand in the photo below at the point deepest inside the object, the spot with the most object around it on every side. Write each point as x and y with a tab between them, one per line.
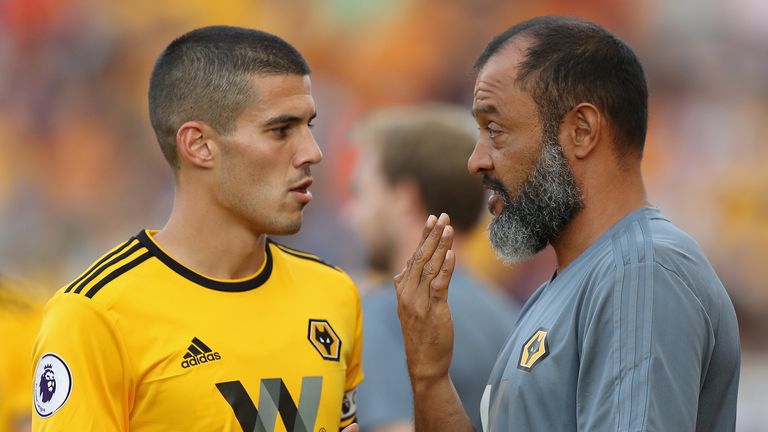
422	303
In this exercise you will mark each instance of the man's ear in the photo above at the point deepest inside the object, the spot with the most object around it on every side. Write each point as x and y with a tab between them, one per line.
194	145
581	130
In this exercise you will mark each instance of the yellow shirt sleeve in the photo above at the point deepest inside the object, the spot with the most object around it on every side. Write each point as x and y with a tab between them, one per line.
80	371
354	371
355	368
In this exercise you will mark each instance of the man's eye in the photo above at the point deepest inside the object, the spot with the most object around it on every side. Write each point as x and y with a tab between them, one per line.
492	132
280	132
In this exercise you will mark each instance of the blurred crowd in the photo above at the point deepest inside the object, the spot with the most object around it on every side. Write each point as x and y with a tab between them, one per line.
80	170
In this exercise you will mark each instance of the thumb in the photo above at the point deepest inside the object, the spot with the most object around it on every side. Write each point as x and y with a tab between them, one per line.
352	428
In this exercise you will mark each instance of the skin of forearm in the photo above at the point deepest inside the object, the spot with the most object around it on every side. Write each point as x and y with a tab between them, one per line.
437	407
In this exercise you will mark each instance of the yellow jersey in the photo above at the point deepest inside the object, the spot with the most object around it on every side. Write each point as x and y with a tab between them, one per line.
19	321
139	342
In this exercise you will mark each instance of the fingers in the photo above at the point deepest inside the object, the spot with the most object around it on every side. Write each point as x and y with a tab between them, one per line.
352	428
428	246
430	239
435	247
431	221
432	267
438	287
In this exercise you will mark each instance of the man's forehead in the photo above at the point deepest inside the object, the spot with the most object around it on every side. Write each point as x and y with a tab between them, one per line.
490	91
269	89
277	84
281	95
500	71
497	83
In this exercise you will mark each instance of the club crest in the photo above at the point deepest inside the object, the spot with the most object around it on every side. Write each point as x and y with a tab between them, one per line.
324	339
534	350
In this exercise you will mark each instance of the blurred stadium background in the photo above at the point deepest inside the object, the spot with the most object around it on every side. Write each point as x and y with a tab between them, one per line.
80	170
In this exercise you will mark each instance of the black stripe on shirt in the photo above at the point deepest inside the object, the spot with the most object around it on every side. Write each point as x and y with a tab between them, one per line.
218	285
117	273
106	257
107	265
303	255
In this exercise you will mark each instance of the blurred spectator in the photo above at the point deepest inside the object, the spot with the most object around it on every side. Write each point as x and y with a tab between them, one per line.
412	163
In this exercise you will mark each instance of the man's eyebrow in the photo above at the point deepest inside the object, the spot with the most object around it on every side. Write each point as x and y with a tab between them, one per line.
286	119
484	109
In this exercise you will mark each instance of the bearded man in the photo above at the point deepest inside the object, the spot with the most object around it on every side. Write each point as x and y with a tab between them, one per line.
634	331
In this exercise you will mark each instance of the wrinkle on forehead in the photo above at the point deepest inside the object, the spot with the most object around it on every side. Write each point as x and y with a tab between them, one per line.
500	71
499	97
497	92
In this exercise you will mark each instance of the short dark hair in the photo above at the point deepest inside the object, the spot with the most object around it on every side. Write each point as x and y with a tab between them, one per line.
570	61
430	145
204	75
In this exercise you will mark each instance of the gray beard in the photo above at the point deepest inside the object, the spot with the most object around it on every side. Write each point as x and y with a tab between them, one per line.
548	200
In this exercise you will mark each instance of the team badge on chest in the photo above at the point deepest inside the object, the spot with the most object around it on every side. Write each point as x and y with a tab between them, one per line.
324	339
534	350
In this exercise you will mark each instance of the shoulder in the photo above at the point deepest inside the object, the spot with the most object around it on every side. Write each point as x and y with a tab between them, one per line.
676	253
651	256
651	238
647	240
295	254
310	266
120	267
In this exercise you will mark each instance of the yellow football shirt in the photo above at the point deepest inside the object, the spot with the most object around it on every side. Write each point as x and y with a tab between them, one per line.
19	321
139	342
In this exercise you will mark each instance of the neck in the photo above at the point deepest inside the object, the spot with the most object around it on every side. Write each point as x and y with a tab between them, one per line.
209	240
616	197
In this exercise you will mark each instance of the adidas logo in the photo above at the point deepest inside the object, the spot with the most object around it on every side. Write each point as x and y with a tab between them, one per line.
199	353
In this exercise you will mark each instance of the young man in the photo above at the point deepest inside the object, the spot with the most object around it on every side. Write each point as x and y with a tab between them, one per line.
634	331
398	182
207	324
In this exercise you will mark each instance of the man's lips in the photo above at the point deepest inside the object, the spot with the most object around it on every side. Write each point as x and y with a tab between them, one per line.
494	203
495	200
301	191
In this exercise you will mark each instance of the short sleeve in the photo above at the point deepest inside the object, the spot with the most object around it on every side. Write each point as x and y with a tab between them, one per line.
354	369
645	338
80	379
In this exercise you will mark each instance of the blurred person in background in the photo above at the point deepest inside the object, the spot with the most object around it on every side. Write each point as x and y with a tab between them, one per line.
634	331
20	313
412	163
207	324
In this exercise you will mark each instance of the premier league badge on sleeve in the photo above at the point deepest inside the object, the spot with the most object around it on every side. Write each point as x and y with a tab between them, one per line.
53	384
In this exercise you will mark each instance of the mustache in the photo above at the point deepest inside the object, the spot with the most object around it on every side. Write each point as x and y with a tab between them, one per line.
495	185
304	172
